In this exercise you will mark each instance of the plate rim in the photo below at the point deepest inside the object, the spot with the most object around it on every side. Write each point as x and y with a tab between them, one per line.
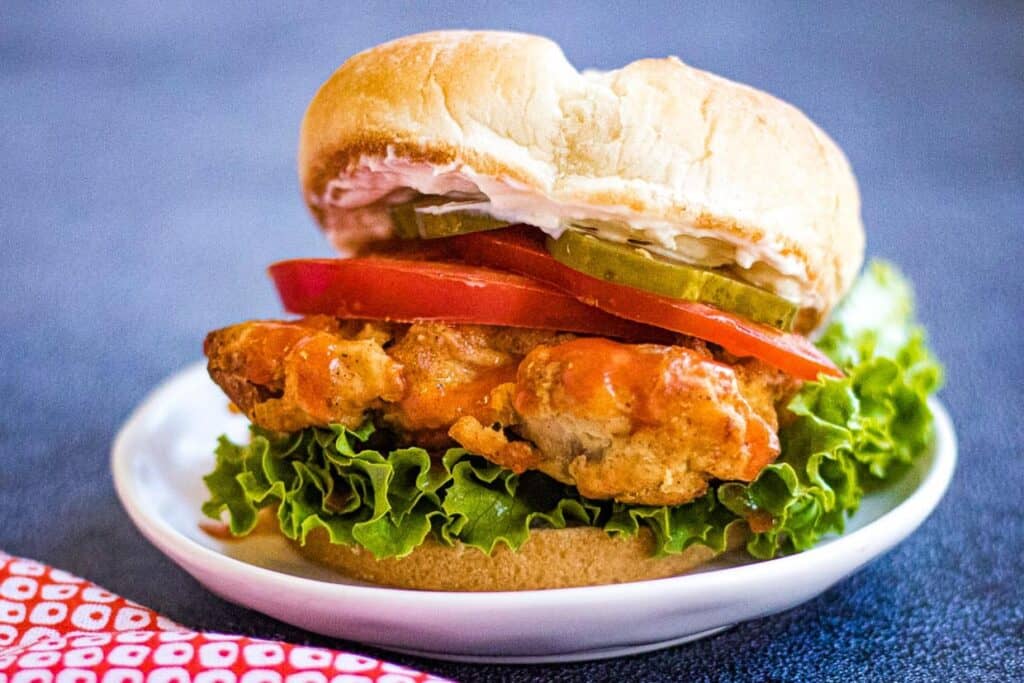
591	655
903	520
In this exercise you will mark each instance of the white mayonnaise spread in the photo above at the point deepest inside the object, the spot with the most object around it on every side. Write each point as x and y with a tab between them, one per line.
355	211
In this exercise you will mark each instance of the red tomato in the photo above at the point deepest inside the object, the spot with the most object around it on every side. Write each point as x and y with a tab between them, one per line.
406	290
521	250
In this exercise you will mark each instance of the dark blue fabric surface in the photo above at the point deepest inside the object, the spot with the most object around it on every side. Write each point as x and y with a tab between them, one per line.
147	166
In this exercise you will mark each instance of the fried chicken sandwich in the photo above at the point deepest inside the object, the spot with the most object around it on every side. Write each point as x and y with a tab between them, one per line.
568	339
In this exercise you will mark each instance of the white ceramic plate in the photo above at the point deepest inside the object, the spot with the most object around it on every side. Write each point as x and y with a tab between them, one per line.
166	446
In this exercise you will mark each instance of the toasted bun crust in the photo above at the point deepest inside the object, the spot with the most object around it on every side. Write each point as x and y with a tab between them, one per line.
550	558
677	152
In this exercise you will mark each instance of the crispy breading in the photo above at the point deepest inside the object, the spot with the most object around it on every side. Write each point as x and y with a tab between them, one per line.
314	371
643	423
450	370
289	375
640	423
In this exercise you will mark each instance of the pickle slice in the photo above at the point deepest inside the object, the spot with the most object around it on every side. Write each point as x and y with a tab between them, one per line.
410	223
635	267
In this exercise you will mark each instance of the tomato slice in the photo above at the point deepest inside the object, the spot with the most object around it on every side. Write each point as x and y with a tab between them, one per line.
405	290
521	250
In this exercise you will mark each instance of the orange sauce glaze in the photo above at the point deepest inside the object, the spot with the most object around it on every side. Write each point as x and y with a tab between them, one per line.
313	362
760	521
435	405
262	356
606	379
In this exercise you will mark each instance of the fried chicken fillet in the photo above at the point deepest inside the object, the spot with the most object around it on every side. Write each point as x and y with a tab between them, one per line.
639	423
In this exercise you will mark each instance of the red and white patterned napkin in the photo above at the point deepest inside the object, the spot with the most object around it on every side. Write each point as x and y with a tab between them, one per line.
58	628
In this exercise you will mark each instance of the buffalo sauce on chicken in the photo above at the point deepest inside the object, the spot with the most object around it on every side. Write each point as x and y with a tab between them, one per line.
289	375
643	423
609	379
639	423
449	372
436	405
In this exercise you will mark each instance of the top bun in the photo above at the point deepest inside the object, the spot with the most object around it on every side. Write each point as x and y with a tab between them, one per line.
697	167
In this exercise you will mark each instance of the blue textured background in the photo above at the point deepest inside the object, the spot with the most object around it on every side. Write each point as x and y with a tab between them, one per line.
146	160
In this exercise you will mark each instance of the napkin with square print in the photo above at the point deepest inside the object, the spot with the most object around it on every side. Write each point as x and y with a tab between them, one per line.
58	628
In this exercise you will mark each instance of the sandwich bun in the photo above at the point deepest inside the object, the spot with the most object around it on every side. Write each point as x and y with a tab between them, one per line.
550	558
702	169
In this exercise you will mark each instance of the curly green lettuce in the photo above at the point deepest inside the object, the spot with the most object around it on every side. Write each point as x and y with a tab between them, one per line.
845	437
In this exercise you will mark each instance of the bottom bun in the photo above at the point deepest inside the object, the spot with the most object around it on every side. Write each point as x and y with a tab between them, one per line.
550	558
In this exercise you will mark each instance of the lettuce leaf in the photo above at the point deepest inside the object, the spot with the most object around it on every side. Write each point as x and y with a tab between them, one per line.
843	437
847	434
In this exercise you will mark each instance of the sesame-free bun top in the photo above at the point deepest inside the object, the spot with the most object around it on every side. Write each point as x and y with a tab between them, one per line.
694	166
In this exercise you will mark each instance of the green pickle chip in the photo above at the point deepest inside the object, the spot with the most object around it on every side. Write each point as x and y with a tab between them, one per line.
636	267
413	224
